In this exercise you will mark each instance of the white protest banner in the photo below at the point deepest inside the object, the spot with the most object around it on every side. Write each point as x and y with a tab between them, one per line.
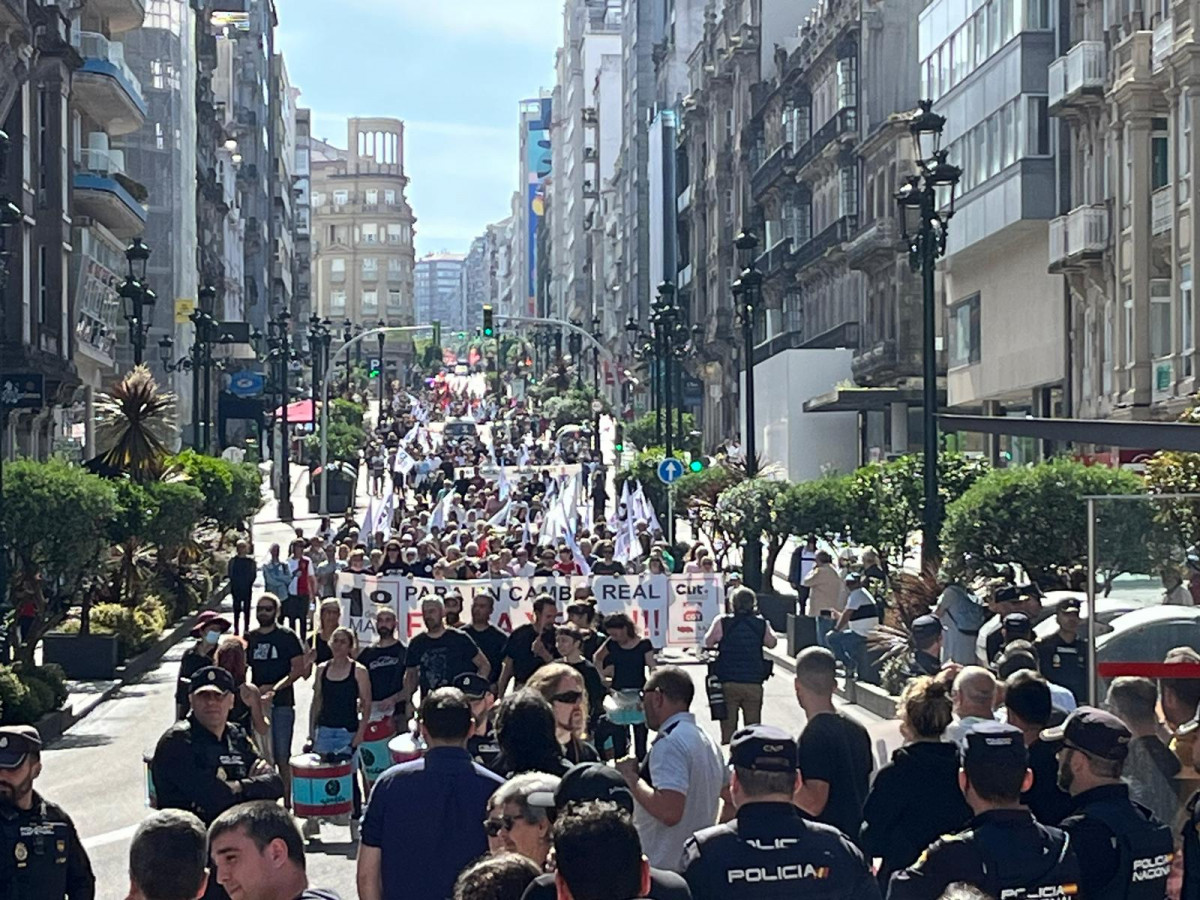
695	601
641	597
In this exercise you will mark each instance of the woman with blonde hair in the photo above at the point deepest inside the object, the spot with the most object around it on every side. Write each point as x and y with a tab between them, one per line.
915	798
563	688
329	617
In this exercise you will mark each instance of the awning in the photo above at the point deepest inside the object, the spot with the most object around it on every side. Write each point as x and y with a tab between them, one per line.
299	412
1146	435
862	399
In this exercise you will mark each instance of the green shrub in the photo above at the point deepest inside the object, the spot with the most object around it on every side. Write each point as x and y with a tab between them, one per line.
27	693
136	629
53	676
641	433
178	509
14	699
41	698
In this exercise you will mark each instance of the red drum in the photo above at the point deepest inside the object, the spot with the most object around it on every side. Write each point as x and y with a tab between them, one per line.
374	757
404	748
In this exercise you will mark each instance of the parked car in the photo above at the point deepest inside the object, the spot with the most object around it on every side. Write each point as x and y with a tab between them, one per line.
1145	635
1108	608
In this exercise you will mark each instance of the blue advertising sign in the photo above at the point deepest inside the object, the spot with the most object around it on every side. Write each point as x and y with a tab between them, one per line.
246	384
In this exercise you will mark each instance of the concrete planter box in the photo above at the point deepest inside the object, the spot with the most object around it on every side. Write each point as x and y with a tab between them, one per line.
776	608
801	633
86	658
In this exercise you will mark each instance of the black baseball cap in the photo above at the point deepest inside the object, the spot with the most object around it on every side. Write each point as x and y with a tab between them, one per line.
17	742
1095	732
1069	604
1018	622
994	744
584	782
926	626
211	677
764	748
473	686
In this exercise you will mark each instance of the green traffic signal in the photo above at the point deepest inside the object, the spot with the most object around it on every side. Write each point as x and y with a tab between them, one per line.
620	448
489	329
696	465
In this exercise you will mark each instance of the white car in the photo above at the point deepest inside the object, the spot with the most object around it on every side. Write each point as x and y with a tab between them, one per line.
1108	608
1146	635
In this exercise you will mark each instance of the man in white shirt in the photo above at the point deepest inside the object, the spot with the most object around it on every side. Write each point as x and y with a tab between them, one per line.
859	618
678	788
974	697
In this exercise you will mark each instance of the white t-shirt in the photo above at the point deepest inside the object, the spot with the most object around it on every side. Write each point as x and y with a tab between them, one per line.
682	758
864	616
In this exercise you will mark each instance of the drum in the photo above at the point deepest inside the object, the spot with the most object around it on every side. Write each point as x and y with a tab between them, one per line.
321	788
151	793
404	748
625	707
374	756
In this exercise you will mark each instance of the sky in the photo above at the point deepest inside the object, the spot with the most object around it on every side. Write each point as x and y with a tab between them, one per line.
453	70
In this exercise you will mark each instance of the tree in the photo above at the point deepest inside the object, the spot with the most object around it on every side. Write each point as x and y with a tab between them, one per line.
641	432
54	516
135	422
1036	517
749	508
819	507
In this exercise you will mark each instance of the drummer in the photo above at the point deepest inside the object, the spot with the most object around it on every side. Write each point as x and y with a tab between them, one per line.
384	660
624	660
341	710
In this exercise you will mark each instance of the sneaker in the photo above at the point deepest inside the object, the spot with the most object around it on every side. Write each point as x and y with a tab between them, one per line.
311	829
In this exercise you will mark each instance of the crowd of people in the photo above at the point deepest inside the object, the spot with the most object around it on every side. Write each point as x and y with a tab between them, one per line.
565	759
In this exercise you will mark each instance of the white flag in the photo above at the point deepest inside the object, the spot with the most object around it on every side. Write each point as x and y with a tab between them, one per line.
366	528
580	559
383	515
501	516
438	516
403	463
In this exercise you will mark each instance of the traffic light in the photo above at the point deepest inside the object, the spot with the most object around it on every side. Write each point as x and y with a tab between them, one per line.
696	465
489	329
619	438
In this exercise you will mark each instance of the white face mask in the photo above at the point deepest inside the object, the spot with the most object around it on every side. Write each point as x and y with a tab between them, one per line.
211	637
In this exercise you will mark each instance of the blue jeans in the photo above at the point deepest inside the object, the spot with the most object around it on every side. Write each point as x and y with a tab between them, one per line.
824	626
283	723
337	741
847	646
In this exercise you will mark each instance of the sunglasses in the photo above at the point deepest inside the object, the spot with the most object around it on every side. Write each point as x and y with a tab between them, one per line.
493	827
568	697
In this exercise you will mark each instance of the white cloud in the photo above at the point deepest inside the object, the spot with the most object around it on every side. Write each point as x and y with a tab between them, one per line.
534	22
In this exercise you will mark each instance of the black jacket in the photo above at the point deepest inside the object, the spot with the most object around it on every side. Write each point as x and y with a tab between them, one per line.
41	857
914	800
196	771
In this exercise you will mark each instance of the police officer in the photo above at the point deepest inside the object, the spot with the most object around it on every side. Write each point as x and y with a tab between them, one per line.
1004	852
482	744
1094	747
1063	656
41	857
770	849
926	658
204	764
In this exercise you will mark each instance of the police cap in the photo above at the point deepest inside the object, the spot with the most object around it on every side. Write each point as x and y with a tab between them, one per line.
584	782
1069	604
472	685
1095	732
926	627
17	742
994	744
764	748
1017	623
211	678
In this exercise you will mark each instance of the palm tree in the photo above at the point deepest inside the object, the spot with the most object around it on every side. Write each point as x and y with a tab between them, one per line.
135	423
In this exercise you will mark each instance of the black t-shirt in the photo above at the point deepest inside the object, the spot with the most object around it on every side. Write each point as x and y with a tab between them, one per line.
593	684
270	654
664	885
837	750
492	642
520	650
422	568
608	568
629	666
441	660
385	666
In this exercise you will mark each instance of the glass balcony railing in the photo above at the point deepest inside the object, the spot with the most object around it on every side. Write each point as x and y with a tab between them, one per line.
96	46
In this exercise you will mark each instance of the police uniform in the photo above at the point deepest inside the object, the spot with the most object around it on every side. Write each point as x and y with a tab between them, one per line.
1103	818
1065	662
41	857
195	770
1004	852
771	850
921	662
484	748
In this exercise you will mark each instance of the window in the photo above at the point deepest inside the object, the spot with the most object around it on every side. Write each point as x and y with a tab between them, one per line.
337	303
729	124
43	290
370	233
1183	162
370	268
395	266
372	197
848	194
981	52
1160	172
1008	24
389	197
394	303
337	269
1106	350
1089	352
1009	132
317	198
341	198
994	149
964	332
993	25
393	234
1160	318
1127	305
1187	320
370	303
1037	127
728	206
1037	15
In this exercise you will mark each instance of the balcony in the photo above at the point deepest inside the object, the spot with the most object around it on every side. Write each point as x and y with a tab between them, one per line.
766	175
103	192
877	242
1162	210
104	87
1077	79
683	200
844	121
833	236
121	15
1079	237
1162	44
370	274
774	260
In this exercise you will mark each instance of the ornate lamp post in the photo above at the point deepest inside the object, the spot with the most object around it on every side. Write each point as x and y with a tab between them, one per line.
747	292
136	296
926	204
279	340
382	367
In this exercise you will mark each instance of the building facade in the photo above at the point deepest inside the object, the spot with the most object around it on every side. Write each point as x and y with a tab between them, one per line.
438	281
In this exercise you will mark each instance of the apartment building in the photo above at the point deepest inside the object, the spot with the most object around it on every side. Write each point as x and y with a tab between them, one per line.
986	66
1125	91
362	227
438	290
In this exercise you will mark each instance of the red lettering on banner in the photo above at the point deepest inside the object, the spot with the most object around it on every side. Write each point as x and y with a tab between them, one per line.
504	623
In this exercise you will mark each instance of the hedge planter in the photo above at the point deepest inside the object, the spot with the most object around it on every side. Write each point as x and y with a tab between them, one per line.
775	608
86	658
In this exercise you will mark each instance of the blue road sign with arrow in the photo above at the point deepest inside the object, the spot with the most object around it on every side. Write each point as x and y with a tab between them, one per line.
670	470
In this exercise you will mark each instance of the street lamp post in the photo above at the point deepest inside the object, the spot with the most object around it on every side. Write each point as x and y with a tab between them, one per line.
575	347
926	205
747	292
200	363
280	343
136	296
382	367
596	386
